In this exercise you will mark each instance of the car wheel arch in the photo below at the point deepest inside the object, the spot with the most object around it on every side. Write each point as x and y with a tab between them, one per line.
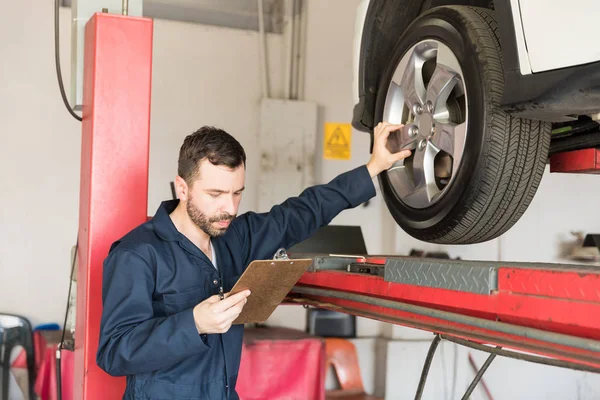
385	23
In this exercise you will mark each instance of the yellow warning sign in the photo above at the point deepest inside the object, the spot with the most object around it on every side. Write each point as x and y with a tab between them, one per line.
337	141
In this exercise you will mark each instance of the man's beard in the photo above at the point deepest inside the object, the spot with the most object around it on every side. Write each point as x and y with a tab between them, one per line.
204	223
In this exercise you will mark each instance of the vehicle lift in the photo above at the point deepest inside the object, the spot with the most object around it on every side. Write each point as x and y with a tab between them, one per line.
547	310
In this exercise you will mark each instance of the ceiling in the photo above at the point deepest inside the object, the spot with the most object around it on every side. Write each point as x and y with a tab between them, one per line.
237	14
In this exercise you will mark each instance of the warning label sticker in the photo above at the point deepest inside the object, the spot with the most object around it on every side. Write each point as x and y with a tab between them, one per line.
337	141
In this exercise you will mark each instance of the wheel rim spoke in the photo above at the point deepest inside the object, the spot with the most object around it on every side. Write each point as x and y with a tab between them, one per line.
438	89
446	59
460	136
411	81
424	188
443	138
394	104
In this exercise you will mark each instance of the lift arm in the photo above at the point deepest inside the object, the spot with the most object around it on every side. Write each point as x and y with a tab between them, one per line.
547	309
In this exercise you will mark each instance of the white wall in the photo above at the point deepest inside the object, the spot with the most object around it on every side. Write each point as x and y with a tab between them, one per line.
328	82
329	79
506	379
39	166
206	75
202	75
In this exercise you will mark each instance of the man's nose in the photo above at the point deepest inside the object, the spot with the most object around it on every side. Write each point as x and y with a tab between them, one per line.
229	206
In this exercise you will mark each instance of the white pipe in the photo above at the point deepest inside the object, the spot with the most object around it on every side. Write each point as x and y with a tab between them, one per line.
289	47
262	38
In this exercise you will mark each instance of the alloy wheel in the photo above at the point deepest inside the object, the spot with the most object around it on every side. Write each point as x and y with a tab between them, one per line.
427	95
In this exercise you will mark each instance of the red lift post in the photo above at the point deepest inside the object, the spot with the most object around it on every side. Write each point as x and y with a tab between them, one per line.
114	173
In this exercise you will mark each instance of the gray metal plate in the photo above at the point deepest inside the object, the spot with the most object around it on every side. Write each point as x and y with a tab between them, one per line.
465	276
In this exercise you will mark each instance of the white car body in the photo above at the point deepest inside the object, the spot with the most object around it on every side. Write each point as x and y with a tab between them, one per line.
556	34
550	34
361	13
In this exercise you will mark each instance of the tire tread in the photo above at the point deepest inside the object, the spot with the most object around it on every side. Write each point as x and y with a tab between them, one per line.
514	155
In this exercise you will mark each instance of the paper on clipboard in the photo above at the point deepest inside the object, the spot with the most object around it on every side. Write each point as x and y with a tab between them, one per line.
269	281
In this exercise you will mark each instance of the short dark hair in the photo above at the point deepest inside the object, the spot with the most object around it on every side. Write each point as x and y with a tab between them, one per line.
208	142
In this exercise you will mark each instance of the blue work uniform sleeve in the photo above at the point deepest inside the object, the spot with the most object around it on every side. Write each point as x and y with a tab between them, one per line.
298	218
132	341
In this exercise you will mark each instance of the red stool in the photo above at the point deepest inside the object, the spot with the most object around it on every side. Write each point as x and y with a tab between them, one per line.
341	355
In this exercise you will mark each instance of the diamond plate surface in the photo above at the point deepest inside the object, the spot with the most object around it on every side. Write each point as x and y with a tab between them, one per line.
583	286
470	276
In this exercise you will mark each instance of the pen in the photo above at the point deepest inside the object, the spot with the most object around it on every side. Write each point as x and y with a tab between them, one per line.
221	295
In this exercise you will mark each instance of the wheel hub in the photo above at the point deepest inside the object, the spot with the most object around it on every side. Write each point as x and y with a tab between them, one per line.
426	125
426	81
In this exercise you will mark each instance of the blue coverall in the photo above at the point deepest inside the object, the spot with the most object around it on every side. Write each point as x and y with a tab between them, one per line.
154	276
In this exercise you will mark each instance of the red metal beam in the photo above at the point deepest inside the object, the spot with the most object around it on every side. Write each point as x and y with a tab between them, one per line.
555	301
114	173
463	331
577	161
553	313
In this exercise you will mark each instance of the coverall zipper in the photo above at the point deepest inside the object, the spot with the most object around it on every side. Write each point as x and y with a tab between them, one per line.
221	295
223	345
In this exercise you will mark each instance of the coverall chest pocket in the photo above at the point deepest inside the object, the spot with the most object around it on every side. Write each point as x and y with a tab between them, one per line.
178	302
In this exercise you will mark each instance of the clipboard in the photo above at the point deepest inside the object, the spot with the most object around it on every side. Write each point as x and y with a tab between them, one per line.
269	281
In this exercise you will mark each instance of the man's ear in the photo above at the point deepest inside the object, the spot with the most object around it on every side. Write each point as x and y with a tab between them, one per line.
181	188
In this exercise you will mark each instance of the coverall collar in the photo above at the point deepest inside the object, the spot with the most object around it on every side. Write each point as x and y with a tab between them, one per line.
163	224
165	228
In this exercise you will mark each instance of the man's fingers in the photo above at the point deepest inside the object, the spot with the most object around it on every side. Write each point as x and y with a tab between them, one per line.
389	128
229	321
393	126
235	310
401	155
213	299
230	301
227	324
380	128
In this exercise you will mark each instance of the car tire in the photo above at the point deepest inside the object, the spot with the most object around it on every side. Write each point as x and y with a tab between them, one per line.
502	157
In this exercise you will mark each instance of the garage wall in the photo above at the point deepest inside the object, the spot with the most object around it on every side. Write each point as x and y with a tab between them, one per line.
328	82
202	75
39	166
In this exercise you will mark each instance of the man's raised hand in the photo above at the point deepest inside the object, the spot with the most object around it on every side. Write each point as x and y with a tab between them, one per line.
381	158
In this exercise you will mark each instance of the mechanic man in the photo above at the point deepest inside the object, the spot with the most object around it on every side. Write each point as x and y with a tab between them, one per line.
167	319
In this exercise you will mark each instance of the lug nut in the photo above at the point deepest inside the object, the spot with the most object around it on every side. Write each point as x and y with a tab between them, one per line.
429	106
413	131
418	109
